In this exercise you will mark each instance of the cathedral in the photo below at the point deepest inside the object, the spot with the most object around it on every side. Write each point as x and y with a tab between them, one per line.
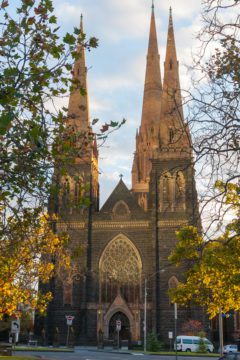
122	271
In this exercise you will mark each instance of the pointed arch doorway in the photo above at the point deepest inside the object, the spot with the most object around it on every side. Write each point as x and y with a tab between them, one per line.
125	332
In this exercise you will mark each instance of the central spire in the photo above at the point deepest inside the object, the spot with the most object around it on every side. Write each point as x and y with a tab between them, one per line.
153	83
147	138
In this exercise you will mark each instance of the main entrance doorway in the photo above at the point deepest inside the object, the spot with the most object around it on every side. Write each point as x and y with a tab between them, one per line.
125	328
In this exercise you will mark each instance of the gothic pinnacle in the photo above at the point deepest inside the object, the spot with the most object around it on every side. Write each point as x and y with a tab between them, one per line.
170	17
152	5
78	109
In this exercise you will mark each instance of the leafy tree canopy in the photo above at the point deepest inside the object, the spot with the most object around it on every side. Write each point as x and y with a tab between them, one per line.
213	267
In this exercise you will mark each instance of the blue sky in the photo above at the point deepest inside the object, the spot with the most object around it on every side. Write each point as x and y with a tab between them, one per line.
117	66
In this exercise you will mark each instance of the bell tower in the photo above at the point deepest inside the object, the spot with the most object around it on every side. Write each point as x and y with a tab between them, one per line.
172	198
81	179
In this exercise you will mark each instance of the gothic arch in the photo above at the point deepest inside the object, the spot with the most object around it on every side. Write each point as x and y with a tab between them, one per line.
173	282
121	210
120	269
120	258
124	309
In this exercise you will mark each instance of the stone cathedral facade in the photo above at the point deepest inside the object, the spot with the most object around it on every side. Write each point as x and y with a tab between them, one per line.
130	238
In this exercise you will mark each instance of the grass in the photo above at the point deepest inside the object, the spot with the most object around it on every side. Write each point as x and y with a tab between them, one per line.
42	348
17	358
181	353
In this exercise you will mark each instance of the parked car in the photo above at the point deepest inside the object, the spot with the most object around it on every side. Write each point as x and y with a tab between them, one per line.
230	356
230	349
191	343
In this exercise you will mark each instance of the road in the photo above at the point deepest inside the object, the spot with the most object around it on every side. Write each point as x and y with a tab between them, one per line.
84	354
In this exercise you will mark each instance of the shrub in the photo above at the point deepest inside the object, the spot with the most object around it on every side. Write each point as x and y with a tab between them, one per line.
152	342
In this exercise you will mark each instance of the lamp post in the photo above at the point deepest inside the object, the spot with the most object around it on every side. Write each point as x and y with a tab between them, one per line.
175	329
145	315
145	308
220	331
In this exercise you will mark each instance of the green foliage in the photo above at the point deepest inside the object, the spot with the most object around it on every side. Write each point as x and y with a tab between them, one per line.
35	66
152	342
36	146
202	347
213	267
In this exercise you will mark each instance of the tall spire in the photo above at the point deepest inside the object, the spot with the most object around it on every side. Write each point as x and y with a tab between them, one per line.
171	83
147	137
78	110
153	83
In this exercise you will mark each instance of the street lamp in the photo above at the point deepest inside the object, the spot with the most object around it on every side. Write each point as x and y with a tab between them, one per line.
220	331
145	307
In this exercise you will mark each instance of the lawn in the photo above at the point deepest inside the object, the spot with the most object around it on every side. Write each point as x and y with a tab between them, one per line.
17	358
182	353
42	348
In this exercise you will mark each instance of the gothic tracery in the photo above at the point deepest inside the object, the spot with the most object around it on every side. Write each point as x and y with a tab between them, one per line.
120	270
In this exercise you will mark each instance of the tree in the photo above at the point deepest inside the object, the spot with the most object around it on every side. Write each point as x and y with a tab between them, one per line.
213	103
213	267
152	343
192	327
27	251
35	66
212	260
202	346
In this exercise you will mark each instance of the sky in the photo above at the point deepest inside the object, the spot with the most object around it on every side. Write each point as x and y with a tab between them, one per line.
116	69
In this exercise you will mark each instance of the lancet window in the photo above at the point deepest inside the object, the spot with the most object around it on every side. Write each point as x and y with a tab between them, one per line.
120	269
65	192
171	135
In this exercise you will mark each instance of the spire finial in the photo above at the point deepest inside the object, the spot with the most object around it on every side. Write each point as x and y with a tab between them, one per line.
81	21
121	176
170	17
152	5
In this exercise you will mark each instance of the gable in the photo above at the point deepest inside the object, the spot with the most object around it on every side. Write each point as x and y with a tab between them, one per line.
121	205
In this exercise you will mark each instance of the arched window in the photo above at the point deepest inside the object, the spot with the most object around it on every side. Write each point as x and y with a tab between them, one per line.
171	135
65	192
120	268
173	282
121	211
170	64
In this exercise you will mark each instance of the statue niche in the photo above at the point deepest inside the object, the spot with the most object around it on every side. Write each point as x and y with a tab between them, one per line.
166	192
180	191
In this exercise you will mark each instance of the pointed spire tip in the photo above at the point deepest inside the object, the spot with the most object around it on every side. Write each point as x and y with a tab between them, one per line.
170	17
152	5
81	21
